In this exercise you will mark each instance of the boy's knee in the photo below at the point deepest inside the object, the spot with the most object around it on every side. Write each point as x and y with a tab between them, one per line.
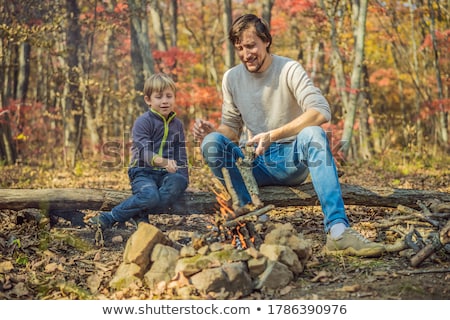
147	197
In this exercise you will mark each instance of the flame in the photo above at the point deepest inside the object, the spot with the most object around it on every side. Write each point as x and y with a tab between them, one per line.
237	237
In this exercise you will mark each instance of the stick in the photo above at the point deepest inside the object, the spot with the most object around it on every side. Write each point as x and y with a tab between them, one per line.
418	214
255	213
245	168
230	188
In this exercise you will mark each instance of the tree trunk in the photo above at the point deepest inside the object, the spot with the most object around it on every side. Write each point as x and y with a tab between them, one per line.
141	53
227	21
158	27
336	57
415	73
86	77
443	115
173	9
360	13
365	145
73	114
7	148
23	72
67	199
267	10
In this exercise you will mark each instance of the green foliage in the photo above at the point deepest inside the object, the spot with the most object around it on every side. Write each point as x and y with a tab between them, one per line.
22	260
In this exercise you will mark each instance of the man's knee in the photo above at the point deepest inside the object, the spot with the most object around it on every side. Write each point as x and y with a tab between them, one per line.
213	149
313	133
211	140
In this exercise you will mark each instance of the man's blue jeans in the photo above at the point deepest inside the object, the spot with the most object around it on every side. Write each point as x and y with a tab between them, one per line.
152	190
285	164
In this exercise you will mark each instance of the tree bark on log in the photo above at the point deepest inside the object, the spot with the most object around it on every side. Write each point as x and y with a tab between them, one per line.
68	199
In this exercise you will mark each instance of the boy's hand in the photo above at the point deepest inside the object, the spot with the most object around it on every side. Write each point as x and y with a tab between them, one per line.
171	166
168	164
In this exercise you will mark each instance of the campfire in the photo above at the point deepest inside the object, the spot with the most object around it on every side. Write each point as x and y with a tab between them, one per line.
234	223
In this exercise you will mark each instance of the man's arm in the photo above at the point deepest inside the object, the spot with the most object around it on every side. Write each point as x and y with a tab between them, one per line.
228	132
310	118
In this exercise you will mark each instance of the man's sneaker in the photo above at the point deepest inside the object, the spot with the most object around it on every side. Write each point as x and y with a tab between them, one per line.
101	220
353	243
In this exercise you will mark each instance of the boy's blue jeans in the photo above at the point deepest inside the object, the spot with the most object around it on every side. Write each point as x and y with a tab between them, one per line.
284	164
152	190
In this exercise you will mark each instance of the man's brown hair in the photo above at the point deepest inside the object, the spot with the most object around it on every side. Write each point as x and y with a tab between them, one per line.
246	21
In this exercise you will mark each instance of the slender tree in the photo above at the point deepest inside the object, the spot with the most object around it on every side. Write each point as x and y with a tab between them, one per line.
267	6
141	52
227	21
158	26
73	113
173	12
359	13
443	115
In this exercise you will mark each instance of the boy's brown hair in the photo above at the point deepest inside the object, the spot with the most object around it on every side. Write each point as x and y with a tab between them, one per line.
158	83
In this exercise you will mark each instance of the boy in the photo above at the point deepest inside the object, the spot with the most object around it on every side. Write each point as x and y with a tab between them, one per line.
158	170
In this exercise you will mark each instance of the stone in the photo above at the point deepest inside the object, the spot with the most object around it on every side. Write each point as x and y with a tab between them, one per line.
284	255
256	266
126	275
276	275
239	280
164	259
141	243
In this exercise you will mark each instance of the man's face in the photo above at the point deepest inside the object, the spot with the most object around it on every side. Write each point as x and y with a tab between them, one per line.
252	51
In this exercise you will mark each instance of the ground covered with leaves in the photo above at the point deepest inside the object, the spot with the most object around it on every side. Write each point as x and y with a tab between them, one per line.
42	259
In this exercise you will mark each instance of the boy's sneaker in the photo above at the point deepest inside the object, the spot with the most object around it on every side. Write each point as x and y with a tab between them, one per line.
353	243
140	218
102	220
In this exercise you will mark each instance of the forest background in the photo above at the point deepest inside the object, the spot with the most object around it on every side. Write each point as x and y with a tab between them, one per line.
72	73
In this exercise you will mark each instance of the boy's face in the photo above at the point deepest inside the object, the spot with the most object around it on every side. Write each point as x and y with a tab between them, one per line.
162	102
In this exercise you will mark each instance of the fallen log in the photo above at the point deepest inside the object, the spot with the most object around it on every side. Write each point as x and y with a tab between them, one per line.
68	199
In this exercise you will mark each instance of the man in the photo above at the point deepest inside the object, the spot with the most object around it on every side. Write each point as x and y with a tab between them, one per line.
272	101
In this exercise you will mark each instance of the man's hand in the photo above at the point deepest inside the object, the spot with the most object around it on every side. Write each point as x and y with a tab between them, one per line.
202	128
263	142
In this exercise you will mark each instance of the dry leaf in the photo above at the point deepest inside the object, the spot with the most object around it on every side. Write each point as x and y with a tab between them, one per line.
179	281
52	267
321	276
286	290
97	256
117	239
20	290
352	288
6	266
93	282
